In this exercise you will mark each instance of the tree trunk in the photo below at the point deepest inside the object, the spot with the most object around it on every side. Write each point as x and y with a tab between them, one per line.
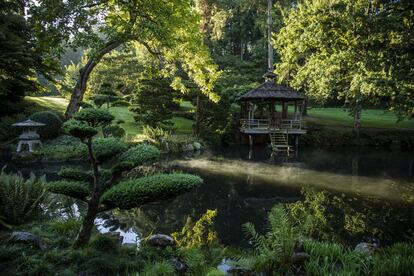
357	119
88	223
81	84
93	205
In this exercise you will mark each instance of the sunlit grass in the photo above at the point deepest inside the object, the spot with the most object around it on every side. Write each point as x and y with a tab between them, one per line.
371	118
58	104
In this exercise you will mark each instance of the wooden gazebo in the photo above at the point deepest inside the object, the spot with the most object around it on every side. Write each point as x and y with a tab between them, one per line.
275	117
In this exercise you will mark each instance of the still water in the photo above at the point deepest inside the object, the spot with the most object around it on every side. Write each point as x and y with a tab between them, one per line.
243	184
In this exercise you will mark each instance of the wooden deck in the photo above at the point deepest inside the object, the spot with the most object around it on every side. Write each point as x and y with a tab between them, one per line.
264	126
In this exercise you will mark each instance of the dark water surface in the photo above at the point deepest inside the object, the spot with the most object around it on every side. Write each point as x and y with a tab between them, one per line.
243	185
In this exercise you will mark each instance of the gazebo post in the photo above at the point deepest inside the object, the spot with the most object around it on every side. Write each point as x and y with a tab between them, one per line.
284	110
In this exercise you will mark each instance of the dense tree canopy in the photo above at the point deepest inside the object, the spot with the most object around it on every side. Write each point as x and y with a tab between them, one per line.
169	30
20	58
358	51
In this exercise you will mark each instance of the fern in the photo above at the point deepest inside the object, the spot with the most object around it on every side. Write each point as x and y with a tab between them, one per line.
20	200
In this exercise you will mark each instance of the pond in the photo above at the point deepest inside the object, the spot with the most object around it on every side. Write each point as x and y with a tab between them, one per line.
243	184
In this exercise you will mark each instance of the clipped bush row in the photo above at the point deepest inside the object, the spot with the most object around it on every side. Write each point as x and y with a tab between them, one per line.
75	174
135	192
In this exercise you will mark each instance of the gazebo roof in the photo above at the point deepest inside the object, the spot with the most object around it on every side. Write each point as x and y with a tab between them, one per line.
270	90
28	123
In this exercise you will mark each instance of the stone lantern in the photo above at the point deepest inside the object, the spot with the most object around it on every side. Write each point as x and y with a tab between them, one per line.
29	139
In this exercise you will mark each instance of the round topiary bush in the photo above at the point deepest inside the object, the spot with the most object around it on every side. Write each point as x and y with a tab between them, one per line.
52	122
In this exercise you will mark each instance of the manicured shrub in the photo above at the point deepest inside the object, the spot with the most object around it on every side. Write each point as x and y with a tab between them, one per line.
76	189
20	199
106	148
113	131
79	129
75	174
52	122
94	117
140	154
131	193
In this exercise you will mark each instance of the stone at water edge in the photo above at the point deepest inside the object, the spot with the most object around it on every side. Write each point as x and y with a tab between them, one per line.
160	240
27	238
197	146
366	248
179	266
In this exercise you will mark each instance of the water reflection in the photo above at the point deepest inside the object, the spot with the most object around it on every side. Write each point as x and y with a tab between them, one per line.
243	190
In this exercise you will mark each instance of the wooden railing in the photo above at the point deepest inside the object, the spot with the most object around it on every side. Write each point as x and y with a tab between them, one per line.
266	124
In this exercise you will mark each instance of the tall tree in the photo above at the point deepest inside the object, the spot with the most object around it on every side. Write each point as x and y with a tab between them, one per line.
356	50
20	58
168	29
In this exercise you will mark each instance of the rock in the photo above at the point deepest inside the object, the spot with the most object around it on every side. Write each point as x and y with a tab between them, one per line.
188	147
366	248
160	240
179	266
300	257
27	238
225	266
116	236
196	146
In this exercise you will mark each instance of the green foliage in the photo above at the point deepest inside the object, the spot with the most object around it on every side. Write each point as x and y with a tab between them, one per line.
332	258
153	103
75	189
113	131
136	192
79	129
94	117
140	154
67	227
344	49
20	56
200	233
273	250
104	243
75	173
106	95
21	200
63	148
397	259
159	268
158	136
106	148
52	123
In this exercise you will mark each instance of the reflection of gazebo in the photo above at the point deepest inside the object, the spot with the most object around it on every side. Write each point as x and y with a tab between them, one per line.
29	139
265	110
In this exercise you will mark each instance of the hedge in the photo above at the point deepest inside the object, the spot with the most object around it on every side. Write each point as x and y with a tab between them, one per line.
136	192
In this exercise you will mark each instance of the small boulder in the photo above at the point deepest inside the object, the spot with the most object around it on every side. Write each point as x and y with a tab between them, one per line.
196	146
179	266
27	238
160	240
300	257
366	248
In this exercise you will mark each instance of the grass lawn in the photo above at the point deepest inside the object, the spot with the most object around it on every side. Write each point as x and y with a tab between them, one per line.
371	118
331	117
55	103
